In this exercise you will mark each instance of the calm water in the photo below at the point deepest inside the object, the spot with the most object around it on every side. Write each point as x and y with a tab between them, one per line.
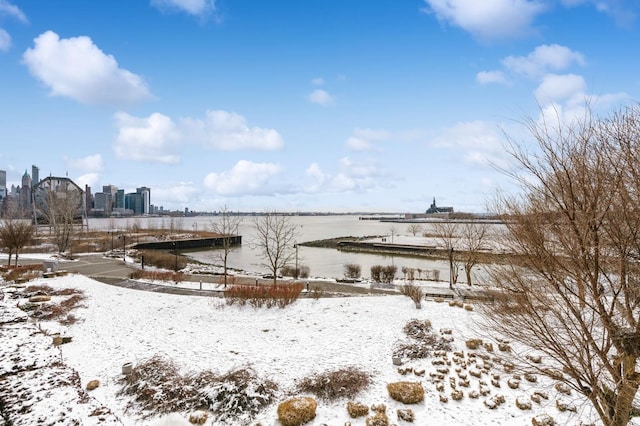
322	262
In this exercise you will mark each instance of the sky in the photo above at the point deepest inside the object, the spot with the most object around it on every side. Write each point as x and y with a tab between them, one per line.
315	105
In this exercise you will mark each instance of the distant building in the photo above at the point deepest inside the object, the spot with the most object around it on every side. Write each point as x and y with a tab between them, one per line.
35	175
64	189
435	209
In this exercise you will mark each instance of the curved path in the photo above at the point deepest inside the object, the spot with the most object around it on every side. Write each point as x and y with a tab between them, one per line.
114	271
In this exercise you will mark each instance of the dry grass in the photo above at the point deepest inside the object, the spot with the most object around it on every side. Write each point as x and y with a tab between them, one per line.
330	386
157	387
357	409
413	292
406	392
297	411
423	341
175	277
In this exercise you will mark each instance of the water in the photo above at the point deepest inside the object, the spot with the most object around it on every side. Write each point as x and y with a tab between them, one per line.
322	262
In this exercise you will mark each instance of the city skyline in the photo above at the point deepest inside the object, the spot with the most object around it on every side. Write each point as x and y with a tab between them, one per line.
301	106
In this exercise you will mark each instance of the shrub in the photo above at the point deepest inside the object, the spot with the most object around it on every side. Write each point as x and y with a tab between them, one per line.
424	341
280	295
163	259
389	273
378	419
415	293
357	409
239	394
60	311
406	392
342	383
297	411
290	271
376	273
352	270
157	387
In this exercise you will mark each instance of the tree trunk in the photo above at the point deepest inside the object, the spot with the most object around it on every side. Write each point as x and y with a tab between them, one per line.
467	270
625	392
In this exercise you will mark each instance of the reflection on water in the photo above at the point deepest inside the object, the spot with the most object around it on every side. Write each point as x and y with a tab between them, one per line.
322	262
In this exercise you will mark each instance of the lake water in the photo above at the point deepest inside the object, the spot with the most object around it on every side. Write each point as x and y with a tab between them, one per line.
322	262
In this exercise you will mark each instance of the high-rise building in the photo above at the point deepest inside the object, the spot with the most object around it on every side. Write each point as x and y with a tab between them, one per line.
35	175
146	198
25	192
120	199
3	183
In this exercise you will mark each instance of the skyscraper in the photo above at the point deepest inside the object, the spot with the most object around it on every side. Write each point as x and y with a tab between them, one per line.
3	183
35	175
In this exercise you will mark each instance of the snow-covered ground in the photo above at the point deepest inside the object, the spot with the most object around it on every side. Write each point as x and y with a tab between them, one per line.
120	325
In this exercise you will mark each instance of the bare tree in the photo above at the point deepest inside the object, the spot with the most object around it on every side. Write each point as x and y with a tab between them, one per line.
226	226
414	229
61	208
15	233
275	238
472	240
574	293
393	230
446	233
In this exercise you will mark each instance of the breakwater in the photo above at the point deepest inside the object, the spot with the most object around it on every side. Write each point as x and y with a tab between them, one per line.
188	244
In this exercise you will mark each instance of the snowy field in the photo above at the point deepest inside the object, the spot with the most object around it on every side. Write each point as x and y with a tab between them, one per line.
117	326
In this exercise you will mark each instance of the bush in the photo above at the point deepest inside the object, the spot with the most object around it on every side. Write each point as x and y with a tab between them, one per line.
157	387
376	273
415	293
357	409
280	295
163	259
423	341
352	270
333	385
297	411
290	271
406	392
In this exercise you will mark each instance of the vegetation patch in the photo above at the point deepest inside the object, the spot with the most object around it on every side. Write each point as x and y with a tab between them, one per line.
258	296
423	341
155	386
333	385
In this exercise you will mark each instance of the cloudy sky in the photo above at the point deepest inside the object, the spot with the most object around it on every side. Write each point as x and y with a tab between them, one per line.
315	105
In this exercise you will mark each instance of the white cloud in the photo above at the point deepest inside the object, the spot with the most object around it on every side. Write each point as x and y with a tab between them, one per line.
362	139
318	81
320	97
88	179
488	19
6	8
181	193
543	59
192	7
76	68
622	11
148	139
560	87
5	40
229	131
90	163
491	77
479	142
351	176
245	178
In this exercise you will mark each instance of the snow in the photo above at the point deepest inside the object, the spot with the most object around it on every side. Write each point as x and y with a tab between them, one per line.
119	325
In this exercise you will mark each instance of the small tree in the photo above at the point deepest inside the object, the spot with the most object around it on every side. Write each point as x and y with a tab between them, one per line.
15	233
60	207
447	235
393	231
275	238
226	226
414	229
472	239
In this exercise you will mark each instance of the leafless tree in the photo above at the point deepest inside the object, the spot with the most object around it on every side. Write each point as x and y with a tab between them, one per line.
446	233
472	241
393	230
61	209
226	226
15	233
414	229
275	238
574	228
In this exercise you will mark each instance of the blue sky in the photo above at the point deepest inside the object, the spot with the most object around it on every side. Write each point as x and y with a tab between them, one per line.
315	105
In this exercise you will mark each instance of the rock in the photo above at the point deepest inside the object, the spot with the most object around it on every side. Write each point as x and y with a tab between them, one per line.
357	409
39	298
406	392
198	418
406	415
